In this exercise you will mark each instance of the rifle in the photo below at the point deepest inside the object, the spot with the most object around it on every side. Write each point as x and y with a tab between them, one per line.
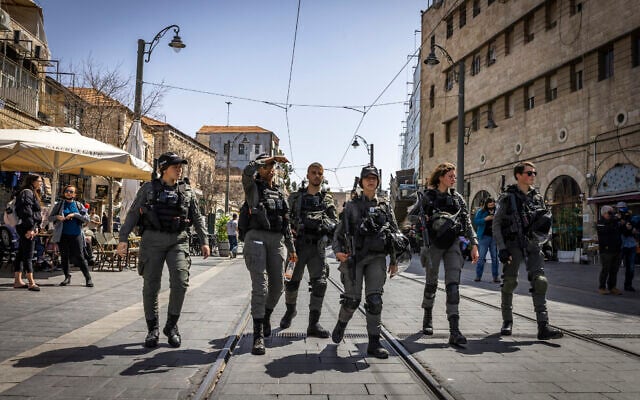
517	220
351	242
422	219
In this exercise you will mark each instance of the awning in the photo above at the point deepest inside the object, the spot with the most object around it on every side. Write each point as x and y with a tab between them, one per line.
614	197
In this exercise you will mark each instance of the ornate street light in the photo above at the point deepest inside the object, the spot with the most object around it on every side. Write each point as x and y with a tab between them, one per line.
355	145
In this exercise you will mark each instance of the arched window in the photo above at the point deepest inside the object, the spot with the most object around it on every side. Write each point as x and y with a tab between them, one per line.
563	196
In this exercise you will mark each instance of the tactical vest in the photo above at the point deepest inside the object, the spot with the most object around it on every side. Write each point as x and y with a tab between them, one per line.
309	212
271	211
372	229
170	206
534	217
445	218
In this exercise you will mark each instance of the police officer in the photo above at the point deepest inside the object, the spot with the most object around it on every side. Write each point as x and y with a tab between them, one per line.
266	242
521	216
165	208
313	219
360	244
446	218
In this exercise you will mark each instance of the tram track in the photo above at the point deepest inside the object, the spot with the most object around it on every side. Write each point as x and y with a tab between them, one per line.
587	338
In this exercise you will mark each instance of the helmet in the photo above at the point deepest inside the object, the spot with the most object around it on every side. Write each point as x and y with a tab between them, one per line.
541	226
169	158
369	170
622	206
445	229
402	249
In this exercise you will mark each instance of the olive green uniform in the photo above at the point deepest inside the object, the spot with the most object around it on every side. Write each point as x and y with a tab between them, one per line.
159	245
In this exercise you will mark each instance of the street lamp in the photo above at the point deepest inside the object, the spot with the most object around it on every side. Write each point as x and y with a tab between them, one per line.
227	148
355	144
176	44
433	60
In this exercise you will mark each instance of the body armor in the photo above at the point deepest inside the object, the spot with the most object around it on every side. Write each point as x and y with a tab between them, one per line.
271	211
167	208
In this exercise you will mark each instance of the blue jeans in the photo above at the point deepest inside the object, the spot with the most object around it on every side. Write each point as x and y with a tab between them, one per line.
628	260
487	243
233	244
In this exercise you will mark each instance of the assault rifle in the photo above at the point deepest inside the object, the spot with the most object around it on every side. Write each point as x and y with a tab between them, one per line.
351	242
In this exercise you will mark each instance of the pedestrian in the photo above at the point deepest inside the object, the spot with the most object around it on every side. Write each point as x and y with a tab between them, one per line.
360	244
28	209
610	246
520	226
68	216
629	245
94	220
105	223
232	234
266	242
486	243
445	214
165	208
313	220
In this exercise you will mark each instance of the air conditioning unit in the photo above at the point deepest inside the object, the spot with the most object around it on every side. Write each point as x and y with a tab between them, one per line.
5	21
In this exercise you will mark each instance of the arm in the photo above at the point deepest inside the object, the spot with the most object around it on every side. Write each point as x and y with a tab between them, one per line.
249	184
81	215
196	217
467	228
479	218
288	237
133	215
500	218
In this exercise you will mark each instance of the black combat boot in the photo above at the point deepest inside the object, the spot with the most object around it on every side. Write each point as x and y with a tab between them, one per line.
66	281
171	330
314	328
427	322
375	348
258	337
456	337
266	322
338	332
545	332
288	316
507	327
154	333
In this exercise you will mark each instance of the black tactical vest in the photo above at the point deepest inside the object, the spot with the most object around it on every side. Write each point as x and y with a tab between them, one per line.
272	201
170	206
310	210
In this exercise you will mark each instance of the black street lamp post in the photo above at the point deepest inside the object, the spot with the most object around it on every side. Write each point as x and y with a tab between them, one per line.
355	144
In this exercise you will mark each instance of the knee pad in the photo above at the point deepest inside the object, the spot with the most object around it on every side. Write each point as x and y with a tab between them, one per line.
539	284
430	290
318	287
453	294
349	303
374	304
292	286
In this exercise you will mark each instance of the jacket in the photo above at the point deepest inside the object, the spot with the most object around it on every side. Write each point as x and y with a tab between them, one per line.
57	225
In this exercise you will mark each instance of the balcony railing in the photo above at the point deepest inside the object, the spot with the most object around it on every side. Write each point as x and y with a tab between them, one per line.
18	87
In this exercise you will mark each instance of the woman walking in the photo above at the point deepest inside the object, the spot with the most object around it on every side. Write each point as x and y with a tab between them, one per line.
486	242
69	215
29	211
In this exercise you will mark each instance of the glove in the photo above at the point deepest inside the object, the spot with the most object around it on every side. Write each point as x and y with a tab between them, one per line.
504	256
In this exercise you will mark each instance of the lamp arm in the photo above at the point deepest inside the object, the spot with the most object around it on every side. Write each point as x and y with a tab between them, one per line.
152	44
445	52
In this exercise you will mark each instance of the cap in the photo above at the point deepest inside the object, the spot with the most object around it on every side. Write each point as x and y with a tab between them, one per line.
264	156
621	204
369	170
169	158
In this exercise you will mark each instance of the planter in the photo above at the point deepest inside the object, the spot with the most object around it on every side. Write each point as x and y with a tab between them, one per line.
223	249
566	256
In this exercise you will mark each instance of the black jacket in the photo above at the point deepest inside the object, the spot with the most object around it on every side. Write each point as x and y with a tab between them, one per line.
609	239
28	210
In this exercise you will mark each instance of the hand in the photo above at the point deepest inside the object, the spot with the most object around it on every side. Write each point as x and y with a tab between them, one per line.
475	255
504	255
70	216
293	257
393	270
342	257
488	218
206	251
122	249
30	234
60	218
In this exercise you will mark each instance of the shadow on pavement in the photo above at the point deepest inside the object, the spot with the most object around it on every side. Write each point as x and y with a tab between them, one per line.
326	360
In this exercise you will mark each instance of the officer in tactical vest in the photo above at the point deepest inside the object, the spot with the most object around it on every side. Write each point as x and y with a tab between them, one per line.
313	220
361	244
444	212
266	242
521	225
164	209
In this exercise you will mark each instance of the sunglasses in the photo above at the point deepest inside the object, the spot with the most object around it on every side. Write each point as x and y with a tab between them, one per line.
69	191
531	173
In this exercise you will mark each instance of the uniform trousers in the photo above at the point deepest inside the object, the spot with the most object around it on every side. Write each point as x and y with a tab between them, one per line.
312	257
430	258
534	264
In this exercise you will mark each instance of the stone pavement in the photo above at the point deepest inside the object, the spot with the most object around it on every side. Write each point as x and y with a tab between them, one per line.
81	343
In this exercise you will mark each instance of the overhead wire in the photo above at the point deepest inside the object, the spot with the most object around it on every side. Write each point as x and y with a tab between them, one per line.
286	110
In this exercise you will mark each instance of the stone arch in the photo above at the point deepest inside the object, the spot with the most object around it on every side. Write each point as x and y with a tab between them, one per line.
565	169
478	199
620	178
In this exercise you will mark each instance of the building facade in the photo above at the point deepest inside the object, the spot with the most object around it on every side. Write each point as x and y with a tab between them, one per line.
561	80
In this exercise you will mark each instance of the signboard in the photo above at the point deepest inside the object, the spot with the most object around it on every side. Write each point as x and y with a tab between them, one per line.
102	191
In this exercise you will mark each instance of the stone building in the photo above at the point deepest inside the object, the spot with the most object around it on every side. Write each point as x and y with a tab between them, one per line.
561	80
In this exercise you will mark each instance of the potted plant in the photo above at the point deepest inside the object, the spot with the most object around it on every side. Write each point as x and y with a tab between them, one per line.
221	235
566	232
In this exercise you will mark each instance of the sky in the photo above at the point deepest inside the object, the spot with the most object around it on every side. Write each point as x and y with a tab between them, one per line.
346	53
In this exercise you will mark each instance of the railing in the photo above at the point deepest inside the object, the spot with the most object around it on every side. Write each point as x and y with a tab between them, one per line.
18	87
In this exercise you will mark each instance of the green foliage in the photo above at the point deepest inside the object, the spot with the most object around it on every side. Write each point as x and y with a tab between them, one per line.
221	228
567	228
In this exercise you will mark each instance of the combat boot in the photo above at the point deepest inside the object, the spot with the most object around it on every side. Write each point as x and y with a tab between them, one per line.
266	323
314	328
258	338
375	348
456	337
288	316
153	334
338	332
507	327
427	322
545	332
171	330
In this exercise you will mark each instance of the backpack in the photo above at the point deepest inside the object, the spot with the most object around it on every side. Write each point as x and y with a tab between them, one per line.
10	216
445	228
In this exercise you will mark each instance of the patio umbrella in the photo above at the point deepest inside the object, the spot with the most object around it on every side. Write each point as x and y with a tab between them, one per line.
135	147
66	151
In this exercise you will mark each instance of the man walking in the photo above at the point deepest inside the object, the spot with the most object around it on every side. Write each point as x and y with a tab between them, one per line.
313	219
232	234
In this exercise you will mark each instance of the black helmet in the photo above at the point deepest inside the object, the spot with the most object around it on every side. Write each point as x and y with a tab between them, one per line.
369	170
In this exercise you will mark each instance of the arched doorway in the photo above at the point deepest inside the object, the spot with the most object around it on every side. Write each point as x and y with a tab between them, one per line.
563	196
478	201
